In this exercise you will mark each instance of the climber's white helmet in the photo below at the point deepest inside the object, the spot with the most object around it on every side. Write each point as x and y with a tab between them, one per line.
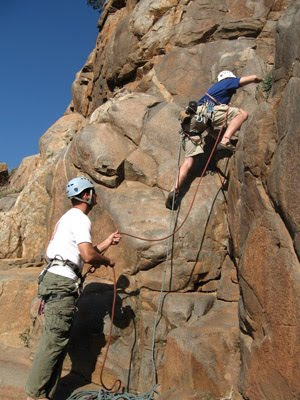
225	74
77	185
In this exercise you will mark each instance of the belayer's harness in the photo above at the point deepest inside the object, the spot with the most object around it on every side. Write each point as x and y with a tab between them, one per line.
58	260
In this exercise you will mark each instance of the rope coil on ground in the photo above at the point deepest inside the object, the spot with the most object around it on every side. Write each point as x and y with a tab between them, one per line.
106	395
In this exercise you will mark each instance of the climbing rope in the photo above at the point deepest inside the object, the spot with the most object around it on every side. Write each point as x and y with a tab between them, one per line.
104	395
168	252
193	199
117	382
108	394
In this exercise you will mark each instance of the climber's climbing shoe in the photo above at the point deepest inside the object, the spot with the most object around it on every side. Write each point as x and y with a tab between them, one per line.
226	147
173	200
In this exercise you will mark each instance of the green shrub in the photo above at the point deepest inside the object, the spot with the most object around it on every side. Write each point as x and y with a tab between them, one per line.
267	82
25	336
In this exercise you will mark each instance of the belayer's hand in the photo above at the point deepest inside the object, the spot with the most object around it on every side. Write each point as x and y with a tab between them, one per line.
111	264
114	238
108	262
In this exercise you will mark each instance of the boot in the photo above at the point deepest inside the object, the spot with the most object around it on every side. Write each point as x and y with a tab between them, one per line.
169	202
227	147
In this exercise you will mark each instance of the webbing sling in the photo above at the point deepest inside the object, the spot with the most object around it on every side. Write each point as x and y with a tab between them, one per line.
213	99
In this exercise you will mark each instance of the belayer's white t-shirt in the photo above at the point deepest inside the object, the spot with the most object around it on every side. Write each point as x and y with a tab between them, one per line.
73	228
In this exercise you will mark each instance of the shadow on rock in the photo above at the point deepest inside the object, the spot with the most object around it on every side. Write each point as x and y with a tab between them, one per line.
87	337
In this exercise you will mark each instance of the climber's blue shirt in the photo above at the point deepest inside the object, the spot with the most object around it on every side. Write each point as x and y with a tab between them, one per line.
221	91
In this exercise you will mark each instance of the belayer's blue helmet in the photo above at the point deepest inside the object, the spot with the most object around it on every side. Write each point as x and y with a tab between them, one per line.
77	185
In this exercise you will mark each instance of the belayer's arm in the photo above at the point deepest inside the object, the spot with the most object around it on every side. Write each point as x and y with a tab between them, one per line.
111	240
92	256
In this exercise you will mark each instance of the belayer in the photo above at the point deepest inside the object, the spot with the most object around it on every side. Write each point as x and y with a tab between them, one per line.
211	111
59	283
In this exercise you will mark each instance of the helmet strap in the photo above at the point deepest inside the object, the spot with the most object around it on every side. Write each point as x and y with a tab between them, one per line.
89	201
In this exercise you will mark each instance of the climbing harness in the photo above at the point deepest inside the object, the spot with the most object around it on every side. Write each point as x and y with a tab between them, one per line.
43	273
195	121
213	99
58	260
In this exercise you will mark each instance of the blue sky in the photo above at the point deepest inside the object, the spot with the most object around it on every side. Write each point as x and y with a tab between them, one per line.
43	44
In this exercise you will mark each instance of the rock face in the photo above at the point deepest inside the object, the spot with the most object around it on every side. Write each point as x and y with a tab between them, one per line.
267	246
213	312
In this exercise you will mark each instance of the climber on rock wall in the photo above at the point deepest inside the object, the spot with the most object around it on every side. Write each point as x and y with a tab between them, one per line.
212	111
60	282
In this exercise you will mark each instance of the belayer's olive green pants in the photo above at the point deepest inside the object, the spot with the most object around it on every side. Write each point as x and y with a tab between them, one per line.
50	354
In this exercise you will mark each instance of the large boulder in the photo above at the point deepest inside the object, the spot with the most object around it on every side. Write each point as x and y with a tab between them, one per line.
287	47
128	112
24	226
17	289
60	134
21	176
94	151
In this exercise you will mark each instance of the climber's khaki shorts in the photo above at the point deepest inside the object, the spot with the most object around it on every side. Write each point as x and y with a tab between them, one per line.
193	146
221	117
